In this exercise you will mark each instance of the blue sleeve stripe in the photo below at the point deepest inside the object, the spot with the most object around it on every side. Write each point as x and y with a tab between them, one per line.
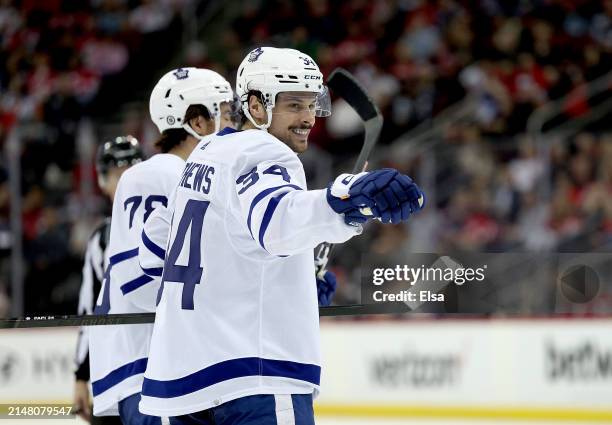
133	285
231	369
154	271
268	216
261	196
153	247
118	375
122	256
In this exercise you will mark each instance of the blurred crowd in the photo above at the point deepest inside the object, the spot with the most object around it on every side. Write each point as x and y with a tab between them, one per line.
495	188
62	61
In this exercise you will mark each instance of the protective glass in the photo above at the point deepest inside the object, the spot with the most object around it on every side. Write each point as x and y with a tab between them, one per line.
316	104
323	103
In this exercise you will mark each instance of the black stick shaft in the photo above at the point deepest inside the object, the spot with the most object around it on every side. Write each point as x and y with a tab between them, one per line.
142	318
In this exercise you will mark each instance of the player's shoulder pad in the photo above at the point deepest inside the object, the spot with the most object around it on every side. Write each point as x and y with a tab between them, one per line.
162	162
130	175
246	142
260	146
154	168
136	168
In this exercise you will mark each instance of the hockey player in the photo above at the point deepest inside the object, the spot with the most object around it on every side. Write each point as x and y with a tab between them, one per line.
185	105
235	339
113	158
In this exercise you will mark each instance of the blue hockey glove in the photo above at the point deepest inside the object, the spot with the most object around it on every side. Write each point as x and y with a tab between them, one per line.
385	194
326	288
339	200
395	195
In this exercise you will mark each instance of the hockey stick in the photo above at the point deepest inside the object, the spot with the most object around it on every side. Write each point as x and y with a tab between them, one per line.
139	318
346	86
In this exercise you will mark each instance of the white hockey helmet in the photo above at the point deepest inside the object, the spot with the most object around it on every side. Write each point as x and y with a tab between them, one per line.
183	87
270	71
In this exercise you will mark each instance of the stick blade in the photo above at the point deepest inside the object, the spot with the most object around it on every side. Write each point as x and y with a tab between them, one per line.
347	87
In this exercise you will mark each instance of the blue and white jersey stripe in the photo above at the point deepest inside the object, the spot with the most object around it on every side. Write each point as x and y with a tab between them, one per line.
229	370
275	194
118	375
157	250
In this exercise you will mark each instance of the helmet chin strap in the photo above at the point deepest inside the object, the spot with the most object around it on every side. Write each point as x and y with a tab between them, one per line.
263	127
191	131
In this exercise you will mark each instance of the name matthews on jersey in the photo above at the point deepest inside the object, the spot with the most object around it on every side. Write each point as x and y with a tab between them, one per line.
200	173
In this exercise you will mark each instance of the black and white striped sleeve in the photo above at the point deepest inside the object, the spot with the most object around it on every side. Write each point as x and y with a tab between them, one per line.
93	274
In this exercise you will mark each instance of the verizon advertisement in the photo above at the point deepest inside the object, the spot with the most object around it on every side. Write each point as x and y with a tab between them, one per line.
471	363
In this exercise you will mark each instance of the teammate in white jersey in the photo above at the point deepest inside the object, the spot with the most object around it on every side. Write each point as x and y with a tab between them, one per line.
186	104
113	158
235	339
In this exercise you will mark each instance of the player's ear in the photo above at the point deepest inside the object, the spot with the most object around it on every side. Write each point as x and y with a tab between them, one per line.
257	109
202	126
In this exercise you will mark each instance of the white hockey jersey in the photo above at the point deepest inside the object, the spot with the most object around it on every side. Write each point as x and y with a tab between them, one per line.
118	354
238	312
153	241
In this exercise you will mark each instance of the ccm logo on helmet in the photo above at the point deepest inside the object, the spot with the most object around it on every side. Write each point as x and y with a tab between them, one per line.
312	77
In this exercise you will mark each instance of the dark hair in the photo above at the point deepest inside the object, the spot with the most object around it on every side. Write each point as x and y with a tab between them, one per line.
175	136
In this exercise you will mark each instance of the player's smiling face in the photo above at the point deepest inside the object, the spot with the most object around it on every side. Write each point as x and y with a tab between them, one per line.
293	117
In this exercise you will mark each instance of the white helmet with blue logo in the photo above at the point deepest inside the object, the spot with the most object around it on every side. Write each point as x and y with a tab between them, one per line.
270	71
183	87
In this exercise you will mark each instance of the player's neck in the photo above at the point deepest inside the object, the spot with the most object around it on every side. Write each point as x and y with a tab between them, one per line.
184	149
248	126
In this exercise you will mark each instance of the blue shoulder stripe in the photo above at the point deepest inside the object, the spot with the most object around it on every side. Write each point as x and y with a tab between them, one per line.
153	247
265	221
261	196
231	369
133	285
118	375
